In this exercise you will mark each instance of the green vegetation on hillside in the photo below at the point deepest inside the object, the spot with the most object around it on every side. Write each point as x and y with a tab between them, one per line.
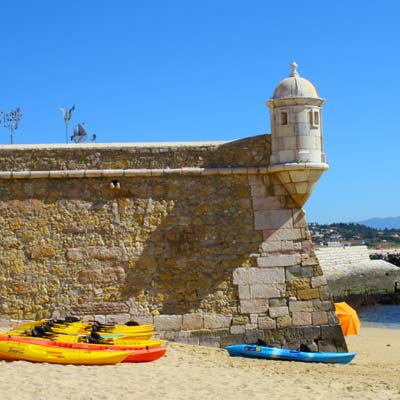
354	234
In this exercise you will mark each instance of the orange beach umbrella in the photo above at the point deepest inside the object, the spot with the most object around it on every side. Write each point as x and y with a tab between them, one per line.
348	319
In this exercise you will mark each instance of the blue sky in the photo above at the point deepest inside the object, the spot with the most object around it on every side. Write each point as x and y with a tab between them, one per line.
202	70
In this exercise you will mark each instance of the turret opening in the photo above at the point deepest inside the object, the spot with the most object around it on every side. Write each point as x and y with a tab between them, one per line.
284	118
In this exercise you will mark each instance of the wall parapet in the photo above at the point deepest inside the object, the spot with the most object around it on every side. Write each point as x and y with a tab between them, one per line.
248	152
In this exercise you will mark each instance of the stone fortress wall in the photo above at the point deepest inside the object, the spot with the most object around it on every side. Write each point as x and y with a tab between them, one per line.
208	241
182	236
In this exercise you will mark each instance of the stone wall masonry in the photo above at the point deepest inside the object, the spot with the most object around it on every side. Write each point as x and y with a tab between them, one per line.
197	239
247	152
352	276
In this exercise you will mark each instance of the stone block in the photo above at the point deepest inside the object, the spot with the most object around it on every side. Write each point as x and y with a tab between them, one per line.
258	190
243	276
43	251
301	318
326	346
298	284
312	332
118	318
210	341
240	320
288	245
275	312
244	292
254	306
319	318
280	260
324	293
250	327
187	338
267	202
143	319
331	332
318	281
266	323
323	305
237	329
282	234
255	180
284	322
264	291
253	318
253	336
168	322
271	246
309	260
192	321
299	271
98	318
295	306
216	321
332	318
308	294
228	340
299	176
282	302
273	219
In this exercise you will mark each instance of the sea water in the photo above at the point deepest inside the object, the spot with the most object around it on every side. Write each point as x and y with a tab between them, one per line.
387	315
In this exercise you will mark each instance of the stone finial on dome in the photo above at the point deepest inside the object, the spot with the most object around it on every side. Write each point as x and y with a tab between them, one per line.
294	66
294	86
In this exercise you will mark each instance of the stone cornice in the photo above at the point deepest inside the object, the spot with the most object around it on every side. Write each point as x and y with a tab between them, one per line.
111	173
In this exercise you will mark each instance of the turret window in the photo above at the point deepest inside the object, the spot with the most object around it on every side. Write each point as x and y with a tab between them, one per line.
314	118
284	118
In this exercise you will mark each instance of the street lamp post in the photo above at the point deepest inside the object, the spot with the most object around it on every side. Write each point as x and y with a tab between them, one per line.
67	117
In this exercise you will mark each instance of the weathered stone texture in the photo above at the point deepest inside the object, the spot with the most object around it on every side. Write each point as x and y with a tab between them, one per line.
209	259
252	151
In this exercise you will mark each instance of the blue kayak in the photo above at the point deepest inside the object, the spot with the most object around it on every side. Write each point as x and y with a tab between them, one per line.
272	353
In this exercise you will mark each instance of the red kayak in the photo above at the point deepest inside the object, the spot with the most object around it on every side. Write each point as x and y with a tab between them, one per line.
137	354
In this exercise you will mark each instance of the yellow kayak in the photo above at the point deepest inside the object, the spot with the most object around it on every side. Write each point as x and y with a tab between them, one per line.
69	341
74	337
120	341
84	327
18	351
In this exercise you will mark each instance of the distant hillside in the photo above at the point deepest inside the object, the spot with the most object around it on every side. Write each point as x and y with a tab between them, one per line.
382	223
353	233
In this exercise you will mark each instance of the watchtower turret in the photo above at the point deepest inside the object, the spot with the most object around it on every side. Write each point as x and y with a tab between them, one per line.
297	156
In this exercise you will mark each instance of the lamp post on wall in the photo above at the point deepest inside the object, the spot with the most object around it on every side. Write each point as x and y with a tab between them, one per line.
67	117
11	121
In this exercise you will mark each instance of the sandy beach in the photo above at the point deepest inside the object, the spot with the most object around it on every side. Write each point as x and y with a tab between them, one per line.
192	372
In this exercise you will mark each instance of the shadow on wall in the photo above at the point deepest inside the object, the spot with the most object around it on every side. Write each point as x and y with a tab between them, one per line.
196	233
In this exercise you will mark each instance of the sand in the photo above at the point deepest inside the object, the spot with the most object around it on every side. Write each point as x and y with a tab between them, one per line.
193	372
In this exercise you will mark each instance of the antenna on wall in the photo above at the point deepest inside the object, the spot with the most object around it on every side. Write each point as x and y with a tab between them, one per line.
11	121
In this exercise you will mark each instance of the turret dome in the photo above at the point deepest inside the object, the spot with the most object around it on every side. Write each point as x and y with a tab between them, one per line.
295	86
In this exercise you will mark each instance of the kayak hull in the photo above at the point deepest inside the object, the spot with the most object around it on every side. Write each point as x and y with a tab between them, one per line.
272	353
18	351
136	354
